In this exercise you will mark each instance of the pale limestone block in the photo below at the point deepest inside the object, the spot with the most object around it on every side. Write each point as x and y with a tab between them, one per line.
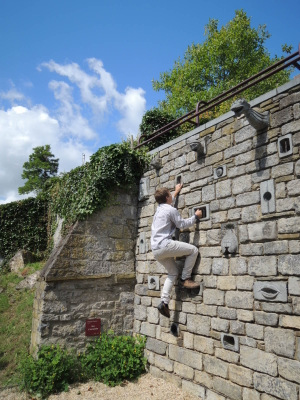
283	205
227	355
244	282
152	315
219	217
227	313
263	266
251	213
215	366
294	285
223	189
204	344
258	360
250	394
189	307
263	318
230	390
188	340
282	170
280	190
262	231
255	331
226	283
203	378
277	247
289	264
289	225
219	324
241	184
245	315
156	346
245	158
213	396
289	321
208	310
192	388
240	375
198	324
237	327
214	237
227	204
183	371
208	193
234	214
238	149
260	176
289	369
213	297
291	127
237	299
275	386
205	266
238	266
220	266
294	246
293	187
148	329
163	363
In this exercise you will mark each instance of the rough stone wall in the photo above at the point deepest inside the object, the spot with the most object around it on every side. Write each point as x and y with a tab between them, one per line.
239	336
90	274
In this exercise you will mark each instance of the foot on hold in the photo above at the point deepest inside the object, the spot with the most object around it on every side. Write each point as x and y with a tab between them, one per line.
164	309
189	284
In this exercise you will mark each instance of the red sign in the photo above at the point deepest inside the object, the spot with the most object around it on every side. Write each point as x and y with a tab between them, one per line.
93	327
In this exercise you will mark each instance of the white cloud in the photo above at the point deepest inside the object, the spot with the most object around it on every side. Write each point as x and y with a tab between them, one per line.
70	129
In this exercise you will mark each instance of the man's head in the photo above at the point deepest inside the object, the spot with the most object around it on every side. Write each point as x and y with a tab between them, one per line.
163	195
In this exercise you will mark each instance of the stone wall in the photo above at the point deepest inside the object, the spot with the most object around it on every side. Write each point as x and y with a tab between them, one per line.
239	336
89	275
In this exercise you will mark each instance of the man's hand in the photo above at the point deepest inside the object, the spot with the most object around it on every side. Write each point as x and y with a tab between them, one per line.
198	213
177	189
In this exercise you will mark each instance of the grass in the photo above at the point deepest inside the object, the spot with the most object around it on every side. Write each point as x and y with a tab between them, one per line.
15	323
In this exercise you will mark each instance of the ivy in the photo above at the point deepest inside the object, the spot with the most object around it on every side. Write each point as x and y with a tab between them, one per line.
23	225
86	189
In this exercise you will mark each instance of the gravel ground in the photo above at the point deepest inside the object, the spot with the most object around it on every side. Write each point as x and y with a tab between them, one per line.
146	388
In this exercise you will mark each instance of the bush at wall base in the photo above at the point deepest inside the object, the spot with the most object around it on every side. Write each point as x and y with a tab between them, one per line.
110	359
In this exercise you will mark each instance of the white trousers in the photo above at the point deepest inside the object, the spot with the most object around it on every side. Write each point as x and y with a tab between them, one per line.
166	255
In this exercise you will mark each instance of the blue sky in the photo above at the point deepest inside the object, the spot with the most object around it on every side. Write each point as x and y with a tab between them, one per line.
77	74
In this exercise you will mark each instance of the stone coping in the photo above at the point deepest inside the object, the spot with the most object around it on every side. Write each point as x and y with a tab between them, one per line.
118	277
275	92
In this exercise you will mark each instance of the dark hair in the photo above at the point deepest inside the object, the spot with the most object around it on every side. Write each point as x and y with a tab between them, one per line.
161	195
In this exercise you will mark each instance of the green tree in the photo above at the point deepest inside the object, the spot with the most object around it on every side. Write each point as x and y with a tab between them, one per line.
227	57
40	167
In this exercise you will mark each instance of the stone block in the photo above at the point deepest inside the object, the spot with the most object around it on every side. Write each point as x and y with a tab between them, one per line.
282	169
262	231
289	369
156	346
220	266
244	282
208	193
279	308
251	213
237	327
198	324
289	264
263	318
214	366
248	198
240	375
255	331
250	394
163	363
289	225
289	321
238	149
213	297
148	329
294	286
223	189
192	388
275	386
280	341
227	313
183	371
258	360
205	266
227	355
140	312
203	378
230	390
238	266
277	247
219	324
213	396
236	299
213	237
204	344
188	340
204	309
263	266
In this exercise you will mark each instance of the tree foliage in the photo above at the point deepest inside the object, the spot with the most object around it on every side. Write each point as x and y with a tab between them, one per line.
228	56
40	167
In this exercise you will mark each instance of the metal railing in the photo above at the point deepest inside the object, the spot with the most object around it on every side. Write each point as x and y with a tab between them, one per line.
203	106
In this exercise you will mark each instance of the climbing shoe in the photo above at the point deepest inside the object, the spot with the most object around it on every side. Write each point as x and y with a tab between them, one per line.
164	309
189	284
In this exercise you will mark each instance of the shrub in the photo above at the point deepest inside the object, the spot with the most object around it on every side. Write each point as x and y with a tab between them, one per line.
113	359
51	372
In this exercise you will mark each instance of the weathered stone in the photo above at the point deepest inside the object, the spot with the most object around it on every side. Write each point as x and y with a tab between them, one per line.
213	396
278	247
223	189
289	369
251	213
227	355
246	199
294	285
289	321
250	394
208	193
255	331
220	266
204	344
245	315
231	390
238	149
238	266
213	297
215	366
289	264
244	282
156	346
226	283
280	341
198	324
262	231
183	371
263	266
258	360
263	318
240	375
163	363
219	324
190	358
289	225
195	390
275	386
237	299
237	327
